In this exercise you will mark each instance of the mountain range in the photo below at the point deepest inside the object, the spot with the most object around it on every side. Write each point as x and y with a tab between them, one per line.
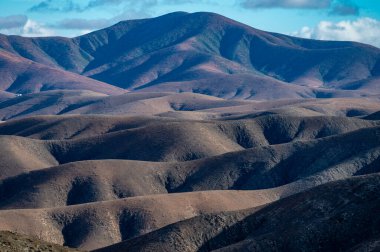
188	132
200	52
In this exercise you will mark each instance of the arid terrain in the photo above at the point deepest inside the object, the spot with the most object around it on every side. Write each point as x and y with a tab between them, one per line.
188	132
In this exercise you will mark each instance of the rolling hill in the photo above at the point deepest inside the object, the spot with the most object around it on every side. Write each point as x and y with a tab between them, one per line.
327	218
176	105
265	152
91	176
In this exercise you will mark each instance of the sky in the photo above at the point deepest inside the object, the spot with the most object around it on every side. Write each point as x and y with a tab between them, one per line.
353	20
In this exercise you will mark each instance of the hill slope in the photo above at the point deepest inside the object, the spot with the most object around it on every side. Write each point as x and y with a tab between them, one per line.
58	182
99	224
20	75
325	218
12	242
260	153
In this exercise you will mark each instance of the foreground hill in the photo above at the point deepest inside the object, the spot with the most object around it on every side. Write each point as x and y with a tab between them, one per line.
202	53
295	166
90	181
12	242
99	224
341	215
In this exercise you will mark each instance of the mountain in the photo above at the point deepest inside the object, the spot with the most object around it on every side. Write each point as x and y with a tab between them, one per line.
209	54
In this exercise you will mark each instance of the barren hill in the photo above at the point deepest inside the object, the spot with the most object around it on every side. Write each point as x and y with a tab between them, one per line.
271	160
326	218
99	224
92	176
173	105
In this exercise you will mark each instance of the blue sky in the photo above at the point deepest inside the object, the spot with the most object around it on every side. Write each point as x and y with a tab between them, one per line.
357	20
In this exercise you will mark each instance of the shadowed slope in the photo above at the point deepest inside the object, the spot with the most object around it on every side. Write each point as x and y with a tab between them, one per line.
247	132
373	116
337	215
165	139
293	166
100	224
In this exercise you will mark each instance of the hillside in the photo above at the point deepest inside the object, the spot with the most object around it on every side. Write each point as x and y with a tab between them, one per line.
253	162
20	75
99	224
11	242
323	218
176	105
90	175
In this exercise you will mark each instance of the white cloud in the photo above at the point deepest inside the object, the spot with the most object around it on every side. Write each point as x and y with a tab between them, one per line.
31	28
35	29
365	30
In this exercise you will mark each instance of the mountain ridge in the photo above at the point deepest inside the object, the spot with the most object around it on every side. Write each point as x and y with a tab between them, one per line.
174	52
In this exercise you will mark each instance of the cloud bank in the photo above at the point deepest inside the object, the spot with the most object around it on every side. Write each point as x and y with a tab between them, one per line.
337	7
365	30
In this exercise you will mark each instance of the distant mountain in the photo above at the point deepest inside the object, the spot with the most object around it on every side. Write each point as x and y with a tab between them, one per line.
209	54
